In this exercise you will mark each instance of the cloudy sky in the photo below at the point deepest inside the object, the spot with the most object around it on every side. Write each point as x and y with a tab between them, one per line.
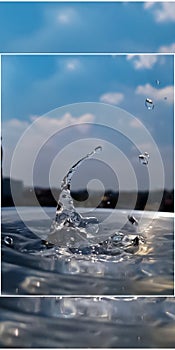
94	27
33	85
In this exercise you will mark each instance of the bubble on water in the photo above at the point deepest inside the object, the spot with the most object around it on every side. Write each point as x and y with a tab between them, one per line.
8	241
118	236
121	241
149	103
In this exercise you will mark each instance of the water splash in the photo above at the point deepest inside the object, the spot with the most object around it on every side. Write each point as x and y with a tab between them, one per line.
144	158
66	214
149	103
74	231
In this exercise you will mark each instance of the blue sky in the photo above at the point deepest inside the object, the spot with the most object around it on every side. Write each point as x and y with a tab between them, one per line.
34	85
94	27
37	85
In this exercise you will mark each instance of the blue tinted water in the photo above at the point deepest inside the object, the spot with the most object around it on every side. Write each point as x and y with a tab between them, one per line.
30	266
87	322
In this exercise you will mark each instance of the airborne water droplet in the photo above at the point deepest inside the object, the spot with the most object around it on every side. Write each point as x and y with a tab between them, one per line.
149	103
157	82
132	220
143	158
98	149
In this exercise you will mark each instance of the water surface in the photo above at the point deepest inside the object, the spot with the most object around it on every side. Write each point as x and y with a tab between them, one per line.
30	266
44	322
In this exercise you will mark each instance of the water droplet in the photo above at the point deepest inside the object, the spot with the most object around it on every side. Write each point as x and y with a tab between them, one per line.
133	220
149	103
117	237
98	149
157	82
143	158
146	154
8	241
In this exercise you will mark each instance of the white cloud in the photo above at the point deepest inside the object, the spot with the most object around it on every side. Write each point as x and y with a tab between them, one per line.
50	89
37	131
72	65
142	61
148	5
51	32
169	48
136	123
66	16
49	124
17	124
145	147
165	94
12	130
163	12
113	98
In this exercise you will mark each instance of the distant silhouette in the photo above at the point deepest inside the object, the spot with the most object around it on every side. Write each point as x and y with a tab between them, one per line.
49	196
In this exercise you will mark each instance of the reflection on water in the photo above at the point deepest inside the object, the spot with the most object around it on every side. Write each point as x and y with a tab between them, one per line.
30	266
87	322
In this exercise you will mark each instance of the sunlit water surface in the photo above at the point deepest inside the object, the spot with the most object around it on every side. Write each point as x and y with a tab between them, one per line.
30	266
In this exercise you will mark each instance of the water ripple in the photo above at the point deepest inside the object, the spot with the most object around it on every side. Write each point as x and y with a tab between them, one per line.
87	322
32	266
